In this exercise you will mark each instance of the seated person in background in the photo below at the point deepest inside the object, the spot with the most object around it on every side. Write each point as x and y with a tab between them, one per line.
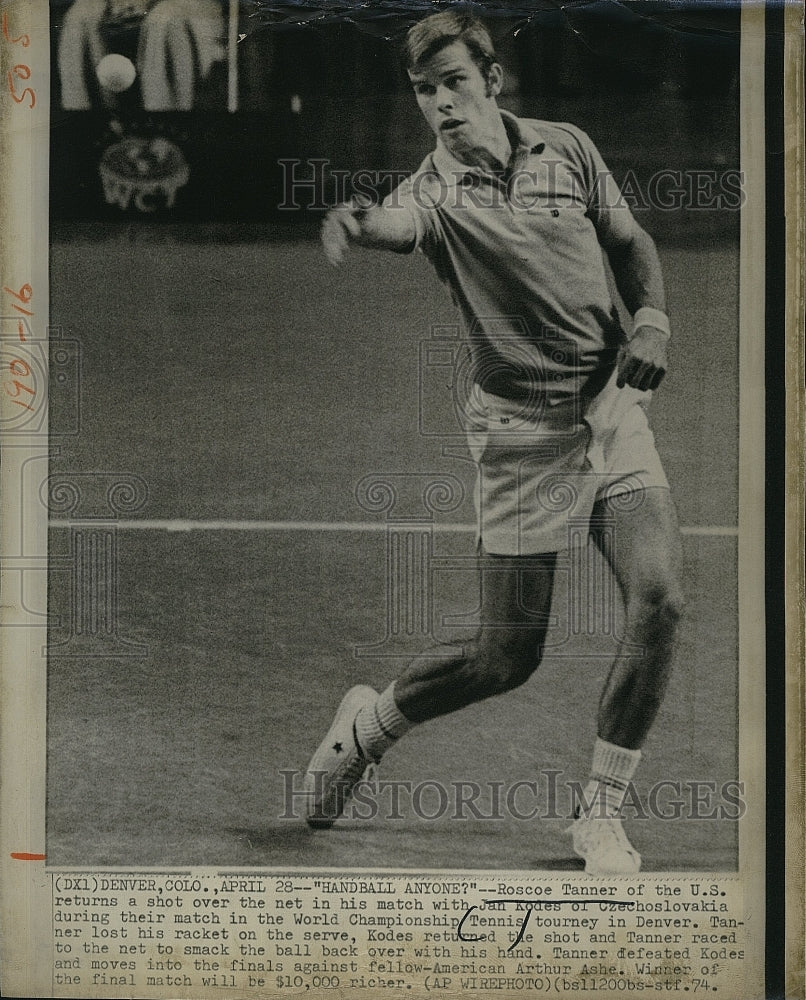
178	42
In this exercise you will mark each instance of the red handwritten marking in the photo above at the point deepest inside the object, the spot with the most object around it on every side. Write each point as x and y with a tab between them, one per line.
24	73
25	294
19	367
22	856
23	40
19	387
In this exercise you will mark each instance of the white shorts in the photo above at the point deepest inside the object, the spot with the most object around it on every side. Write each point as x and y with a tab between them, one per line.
539	480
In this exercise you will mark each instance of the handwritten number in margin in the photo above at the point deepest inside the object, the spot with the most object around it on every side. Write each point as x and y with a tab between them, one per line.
23	40
17	71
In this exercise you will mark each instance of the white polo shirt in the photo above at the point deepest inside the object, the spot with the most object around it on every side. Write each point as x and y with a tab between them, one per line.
522	256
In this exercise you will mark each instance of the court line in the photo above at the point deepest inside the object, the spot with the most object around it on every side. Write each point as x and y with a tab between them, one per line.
716	530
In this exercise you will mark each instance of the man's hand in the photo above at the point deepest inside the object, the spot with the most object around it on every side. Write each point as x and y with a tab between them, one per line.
340	226
642	361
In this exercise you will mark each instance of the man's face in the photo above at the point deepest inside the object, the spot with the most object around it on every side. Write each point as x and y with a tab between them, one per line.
456	100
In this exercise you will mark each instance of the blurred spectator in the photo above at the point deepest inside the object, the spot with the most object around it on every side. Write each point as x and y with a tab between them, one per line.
176	43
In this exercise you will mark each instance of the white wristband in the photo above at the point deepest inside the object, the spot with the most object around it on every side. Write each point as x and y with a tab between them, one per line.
658	320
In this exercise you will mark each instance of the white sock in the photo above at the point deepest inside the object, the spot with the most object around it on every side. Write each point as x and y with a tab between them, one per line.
380	725
612	770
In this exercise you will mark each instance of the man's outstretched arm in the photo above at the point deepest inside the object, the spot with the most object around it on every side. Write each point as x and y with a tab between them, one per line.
637	272
377	227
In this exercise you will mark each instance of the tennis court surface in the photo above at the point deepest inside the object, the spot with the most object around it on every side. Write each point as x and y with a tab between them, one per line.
251	388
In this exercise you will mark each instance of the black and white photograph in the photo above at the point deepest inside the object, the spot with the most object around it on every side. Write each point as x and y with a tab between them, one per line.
426	467
391	472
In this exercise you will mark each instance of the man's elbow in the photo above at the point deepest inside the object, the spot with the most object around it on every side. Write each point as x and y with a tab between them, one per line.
643	241
636	243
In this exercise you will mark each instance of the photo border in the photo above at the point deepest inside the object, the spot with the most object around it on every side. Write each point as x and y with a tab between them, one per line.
24	907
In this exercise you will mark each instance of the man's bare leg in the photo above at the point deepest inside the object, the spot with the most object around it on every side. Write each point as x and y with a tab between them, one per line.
515	603
642	547
644	552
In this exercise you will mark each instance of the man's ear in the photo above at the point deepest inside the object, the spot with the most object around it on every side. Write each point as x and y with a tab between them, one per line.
495	80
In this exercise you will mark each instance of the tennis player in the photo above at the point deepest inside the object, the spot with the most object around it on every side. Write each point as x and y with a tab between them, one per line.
515	214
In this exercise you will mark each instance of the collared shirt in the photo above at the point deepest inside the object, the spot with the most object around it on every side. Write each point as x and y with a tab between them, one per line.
521	252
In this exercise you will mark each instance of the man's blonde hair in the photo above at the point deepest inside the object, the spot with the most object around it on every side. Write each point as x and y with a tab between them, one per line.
427	37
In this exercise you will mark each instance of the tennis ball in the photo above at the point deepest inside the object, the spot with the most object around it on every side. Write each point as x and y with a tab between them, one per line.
115	73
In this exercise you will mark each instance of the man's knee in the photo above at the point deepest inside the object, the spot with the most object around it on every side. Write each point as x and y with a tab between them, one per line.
658	605
504	661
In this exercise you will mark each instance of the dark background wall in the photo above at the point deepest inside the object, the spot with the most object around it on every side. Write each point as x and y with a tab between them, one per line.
655	84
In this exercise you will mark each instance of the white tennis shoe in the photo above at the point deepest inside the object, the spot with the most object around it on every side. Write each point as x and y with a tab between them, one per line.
602	843
338	764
